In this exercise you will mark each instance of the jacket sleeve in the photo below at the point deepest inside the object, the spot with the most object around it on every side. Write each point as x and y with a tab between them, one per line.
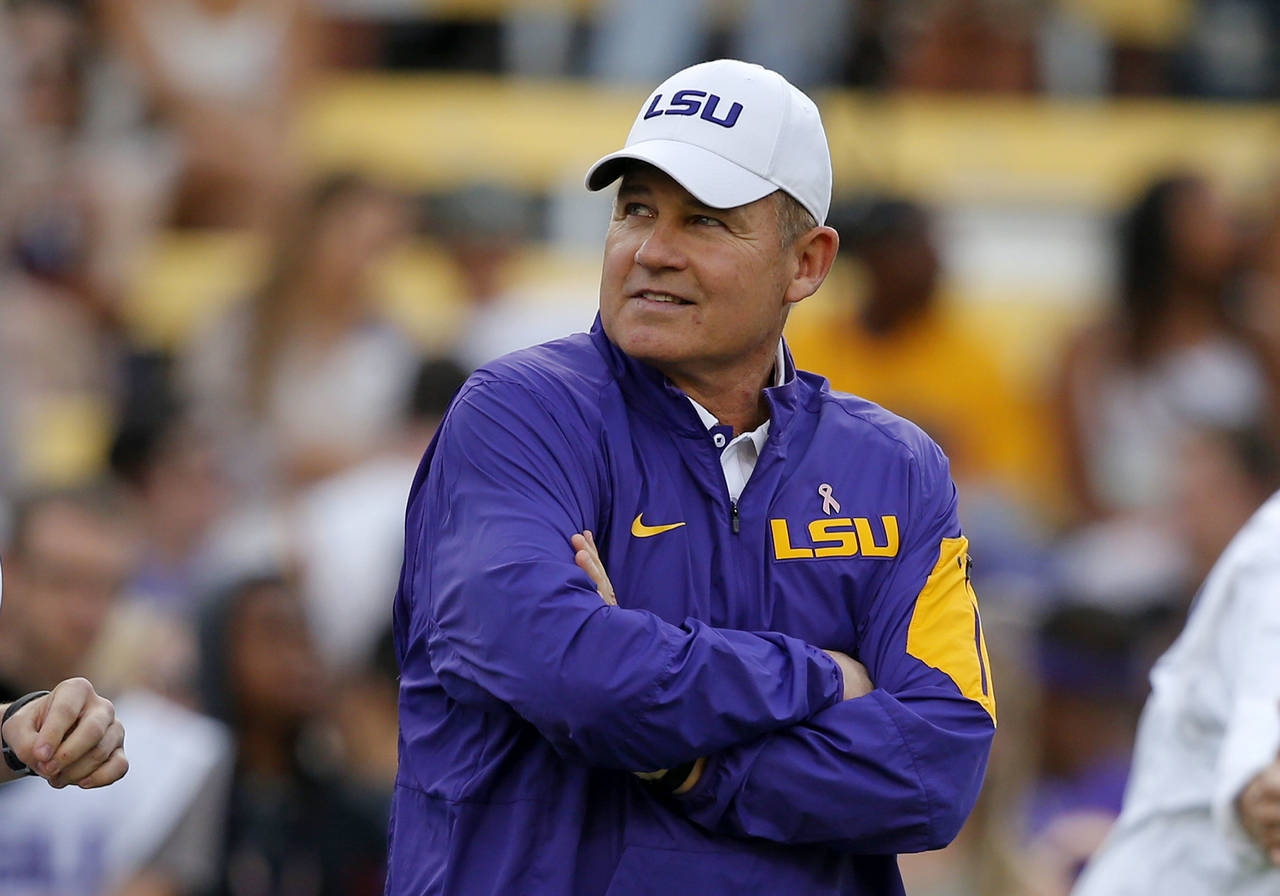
509	619
899	769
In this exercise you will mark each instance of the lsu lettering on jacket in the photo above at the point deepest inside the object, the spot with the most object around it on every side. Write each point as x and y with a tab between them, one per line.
526	703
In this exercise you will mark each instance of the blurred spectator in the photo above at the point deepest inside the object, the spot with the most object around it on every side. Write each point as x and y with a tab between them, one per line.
64	565
77	202
1232	50
484	228
342	537
989	858
969	45
645	41
1199	813
537	39
1221	477
638	42
154	831
1259	294
1141	39
1090	671
226	77
350	538
294	824
368	717
1073	54
82	191
174	492
902	348
1169	358
307	378
349	528
872	45
60	380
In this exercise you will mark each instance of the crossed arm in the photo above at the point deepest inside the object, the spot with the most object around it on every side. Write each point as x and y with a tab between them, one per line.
508	623
834	778
587	556
69	736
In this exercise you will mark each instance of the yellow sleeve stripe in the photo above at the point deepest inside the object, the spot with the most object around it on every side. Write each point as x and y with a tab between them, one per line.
946	628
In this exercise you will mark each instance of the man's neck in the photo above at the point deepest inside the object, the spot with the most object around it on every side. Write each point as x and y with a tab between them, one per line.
743	410
735	398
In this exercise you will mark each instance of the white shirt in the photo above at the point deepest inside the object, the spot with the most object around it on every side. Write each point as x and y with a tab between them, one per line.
738	457
1211	724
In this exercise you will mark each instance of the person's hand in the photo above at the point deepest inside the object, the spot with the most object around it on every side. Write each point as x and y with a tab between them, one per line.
856	680
70	736
1259	809
588	559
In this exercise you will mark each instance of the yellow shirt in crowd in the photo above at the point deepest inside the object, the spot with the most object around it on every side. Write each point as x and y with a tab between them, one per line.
939	375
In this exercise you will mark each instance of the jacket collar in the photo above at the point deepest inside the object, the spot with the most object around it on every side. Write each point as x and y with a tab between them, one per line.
649	391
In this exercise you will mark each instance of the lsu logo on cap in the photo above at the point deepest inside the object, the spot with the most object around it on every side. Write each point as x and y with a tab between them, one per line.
693	102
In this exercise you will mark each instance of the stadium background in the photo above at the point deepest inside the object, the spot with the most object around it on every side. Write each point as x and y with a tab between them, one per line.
247	247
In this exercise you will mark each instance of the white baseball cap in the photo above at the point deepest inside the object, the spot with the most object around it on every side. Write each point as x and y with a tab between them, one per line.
730	133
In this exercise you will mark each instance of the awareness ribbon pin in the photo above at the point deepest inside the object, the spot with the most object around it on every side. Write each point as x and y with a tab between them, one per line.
829	504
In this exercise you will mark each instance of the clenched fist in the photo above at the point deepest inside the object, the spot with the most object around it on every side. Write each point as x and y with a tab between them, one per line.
69	736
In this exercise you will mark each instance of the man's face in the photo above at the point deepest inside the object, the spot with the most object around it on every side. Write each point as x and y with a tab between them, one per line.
695	291
64	581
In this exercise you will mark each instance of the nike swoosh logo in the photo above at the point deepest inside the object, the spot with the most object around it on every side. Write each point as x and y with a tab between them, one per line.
640	530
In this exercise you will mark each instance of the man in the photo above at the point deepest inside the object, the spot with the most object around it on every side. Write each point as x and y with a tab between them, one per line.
66	557
69	735
761	531
1202	809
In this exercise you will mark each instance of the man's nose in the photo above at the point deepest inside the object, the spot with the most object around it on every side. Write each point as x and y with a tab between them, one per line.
662	247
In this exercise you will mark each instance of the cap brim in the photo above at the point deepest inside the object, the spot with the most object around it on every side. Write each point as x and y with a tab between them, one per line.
712	179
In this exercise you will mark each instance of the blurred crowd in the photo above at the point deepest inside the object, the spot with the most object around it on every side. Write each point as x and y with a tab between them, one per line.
211	530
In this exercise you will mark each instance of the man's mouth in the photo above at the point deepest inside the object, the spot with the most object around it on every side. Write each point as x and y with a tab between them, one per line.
665	298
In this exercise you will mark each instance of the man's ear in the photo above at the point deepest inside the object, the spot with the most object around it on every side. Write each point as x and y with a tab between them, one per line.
814	254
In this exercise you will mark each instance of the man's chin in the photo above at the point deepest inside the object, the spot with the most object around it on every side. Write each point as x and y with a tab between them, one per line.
644	344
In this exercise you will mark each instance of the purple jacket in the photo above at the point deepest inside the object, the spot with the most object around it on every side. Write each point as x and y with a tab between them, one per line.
526	703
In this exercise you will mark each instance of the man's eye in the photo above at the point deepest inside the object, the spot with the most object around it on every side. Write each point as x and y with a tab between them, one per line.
637	208
707	221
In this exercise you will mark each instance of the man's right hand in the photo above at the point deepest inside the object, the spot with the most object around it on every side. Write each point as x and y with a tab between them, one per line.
856	680
70	736
587	556
1259	809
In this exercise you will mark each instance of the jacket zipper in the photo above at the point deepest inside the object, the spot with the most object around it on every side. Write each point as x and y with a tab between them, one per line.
733	517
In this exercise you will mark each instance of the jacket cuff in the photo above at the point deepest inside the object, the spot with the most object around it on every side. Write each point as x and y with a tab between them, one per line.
830	680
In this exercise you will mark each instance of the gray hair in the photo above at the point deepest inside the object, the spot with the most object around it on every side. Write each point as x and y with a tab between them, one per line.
794	220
